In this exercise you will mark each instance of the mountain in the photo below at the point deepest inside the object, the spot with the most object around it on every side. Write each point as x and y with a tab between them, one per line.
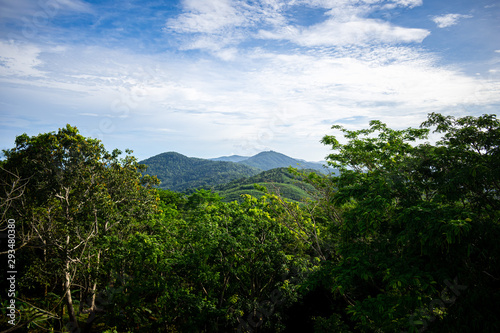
268	160
179	173
232	158
277	180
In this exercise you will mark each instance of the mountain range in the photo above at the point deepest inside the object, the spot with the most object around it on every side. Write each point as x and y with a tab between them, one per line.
268	160
181	173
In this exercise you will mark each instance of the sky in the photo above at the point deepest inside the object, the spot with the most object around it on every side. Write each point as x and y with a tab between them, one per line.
208	78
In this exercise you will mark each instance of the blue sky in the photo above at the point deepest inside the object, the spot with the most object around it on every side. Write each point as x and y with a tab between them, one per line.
211	78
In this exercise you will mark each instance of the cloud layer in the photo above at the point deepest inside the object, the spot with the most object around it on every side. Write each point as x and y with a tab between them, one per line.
221	77
218	24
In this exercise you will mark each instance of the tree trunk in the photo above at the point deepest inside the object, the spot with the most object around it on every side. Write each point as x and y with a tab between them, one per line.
94	287
45	265
73	322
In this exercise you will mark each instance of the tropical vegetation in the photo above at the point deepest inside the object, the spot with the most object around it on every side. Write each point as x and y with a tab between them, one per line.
404	238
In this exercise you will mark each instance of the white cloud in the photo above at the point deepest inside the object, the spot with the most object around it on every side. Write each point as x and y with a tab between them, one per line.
259	82
19	60
38	12
217	26
409	3
347	25
357	31
448	20
365	87
306	88
220	24
206	17
72	5
344	3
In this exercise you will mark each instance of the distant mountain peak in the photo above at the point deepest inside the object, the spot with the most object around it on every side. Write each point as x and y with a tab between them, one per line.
231	158
271	159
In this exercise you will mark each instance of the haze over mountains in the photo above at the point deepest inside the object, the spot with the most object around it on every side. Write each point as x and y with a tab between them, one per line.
180	173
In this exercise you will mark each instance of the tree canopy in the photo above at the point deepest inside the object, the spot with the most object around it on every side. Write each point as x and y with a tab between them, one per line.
75	195
417	226
403	239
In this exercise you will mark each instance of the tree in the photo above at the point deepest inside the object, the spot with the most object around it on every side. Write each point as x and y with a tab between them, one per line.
76	196
417	227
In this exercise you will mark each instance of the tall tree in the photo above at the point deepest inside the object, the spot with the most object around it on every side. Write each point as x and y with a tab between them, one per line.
77	194
417	227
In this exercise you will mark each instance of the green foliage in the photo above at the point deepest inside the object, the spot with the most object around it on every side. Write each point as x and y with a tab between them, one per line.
411	216
332	324
403	239
75	195
213	265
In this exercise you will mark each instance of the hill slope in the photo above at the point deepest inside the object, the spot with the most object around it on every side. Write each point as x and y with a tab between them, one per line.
277	180
179	173
268	160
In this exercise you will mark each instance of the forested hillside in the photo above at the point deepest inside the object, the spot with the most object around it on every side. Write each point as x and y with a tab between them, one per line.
279	181
178	172
186	174
268	160
404	239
